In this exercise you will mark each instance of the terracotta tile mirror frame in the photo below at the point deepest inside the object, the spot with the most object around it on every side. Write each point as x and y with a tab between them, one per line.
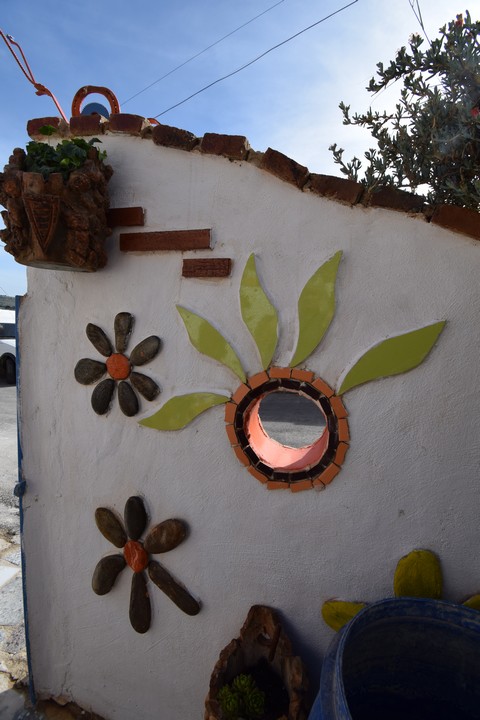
279	466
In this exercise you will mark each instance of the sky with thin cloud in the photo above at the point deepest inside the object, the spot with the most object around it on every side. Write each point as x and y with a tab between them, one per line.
288	100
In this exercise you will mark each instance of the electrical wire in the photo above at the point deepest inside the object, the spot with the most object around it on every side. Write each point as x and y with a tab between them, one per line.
418	14
259	57
217	42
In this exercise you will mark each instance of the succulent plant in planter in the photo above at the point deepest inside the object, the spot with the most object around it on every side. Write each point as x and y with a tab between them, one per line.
242	699
56	201
257	677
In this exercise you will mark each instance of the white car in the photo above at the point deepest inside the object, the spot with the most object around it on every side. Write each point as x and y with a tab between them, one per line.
8	363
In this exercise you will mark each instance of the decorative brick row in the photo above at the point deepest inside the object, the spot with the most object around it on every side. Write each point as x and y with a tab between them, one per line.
236	148
207	267
126	217
165	240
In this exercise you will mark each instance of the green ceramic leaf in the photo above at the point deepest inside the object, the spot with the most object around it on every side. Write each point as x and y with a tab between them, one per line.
258	313
338	613
316	307
181	410
418	574
473	602
207	340
393	356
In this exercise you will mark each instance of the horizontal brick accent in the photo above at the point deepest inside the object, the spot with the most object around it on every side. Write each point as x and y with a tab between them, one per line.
166	240
234	147
126	123
87	125
284	168
462	220
206	267
126	217
173	137
335	188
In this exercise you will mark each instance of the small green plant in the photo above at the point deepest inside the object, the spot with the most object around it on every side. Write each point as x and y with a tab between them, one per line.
67	156
242	699
431	141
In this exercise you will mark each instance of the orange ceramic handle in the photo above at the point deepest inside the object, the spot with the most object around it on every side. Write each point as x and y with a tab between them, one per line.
81	94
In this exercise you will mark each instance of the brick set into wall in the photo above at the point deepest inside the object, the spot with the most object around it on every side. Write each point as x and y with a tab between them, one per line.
237	148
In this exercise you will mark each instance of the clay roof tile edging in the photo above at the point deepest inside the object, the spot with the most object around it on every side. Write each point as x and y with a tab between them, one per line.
236	148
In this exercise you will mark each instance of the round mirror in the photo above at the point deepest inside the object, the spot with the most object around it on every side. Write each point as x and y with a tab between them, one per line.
291	419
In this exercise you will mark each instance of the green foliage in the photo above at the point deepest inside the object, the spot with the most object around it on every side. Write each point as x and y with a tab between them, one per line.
67	156
432	139
242	699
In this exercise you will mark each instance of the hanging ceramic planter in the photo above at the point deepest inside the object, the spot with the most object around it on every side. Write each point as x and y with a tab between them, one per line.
56	218
259	673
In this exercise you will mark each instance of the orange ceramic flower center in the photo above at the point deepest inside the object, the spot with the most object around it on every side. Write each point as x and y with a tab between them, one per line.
118	366
135	556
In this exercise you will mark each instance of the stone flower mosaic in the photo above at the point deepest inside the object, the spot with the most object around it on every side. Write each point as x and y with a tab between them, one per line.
136	554
119	367
418	574
274	464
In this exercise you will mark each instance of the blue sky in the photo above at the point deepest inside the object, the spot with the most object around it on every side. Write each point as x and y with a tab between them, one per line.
288	100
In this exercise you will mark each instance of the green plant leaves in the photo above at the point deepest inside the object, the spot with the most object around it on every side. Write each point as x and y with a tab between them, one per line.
418	574
179	411
316	307
207	340
338	613
258	313
67	156
393	356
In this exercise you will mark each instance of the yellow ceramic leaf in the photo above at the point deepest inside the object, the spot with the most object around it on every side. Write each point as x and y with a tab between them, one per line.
473	602
393	356
418	574
338	613
258	313
207	340
316	307
179	411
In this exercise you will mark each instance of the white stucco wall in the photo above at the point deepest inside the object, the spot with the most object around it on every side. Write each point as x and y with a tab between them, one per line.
409	481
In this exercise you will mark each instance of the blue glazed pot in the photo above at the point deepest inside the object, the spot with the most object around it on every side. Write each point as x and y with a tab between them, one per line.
403	659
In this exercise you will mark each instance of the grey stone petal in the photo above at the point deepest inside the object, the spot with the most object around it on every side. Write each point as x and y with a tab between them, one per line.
145	351
145	386
165	536
106	572
89	371
140	611
176	592
102	396
99	340
110	527
127	399
123	328
135	517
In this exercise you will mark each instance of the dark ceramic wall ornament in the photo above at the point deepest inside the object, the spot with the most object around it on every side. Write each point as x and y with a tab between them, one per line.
119	367
161	538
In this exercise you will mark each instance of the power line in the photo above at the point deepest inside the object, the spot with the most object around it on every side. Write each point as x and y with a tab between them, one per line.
170	72
259	57
418	14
